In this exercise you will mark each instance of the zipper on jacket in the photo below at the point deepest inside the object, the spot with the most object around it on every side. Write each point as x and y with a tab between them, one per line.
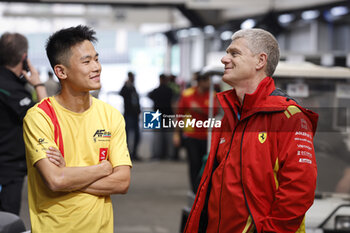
241	163
223	170
241	159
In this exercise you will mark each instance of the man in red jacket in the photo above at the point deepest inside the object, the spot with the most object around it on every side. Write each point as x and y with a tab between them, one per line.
261	172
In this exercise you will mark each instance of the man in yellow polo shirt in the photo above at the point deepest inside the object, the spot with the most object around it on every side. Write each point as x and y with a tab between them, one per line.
75	144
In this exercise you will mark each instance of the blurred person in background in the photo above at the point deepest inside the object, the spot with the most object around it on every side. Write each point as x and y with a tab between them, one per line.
52	87
261	171
132	112
162	97
176	89
194	102
15	71
76	148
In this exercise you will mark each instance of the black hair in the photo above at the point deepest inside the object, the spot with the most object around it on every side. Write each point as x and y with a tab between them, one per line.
162	77
130	74
202	77
59	44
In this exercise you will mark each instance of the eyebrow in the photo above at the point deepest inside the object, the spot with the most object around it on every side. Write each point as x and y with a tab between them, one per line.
88	56
228	50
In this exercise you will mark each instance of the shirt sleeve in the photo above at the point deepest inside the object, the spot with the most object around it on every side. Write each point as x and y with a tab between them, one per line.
38	135
119	154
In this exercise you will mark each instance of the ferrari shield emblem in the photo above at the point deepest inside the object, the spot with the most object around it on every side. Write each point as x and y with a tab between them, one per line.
262	137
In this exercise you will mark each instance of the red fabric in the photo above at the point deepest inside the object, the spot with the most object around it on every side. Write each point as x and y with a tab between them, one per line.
197	105
46	106
243	183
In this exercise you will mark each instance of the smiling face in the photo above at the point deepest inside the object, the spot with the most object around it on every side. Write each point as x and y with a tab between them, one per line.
84	69
240	63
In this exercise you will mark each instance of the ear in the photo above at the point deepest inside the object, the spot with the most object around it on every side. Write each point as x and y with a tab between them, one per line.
261	61
60	71
24	56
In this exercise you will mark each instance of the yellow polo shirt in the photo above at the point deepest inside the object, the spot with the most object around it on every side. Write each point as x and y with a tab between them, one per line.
95	134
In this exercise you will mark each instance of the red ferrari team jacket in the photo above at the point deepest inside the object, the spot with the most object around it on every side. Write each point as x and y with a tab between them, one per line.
261	171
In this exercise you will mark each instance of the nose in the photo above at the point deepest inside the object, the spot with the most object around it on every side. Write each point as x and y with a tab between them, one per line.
97	66
225	60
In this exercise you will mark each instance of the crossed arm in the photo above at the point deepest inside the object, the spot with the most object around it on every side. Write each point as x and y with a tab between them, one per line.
100	179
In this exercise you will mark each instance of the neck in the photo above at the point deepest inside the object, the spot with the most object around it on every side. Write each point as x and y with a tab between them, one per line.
17	70
76	103
244	87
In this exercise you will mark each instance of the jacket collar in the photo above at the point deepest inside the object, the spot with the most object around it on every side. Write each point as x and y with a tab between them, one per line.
12	75
259	101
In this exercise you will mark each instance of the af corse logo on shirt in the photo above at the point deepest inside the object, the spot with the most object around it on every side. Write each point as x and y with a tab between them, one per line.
102	135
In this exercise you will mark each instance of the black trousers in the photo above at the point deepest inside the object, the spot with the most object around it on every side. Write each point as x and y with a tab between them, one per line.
132	134
196	150
11	196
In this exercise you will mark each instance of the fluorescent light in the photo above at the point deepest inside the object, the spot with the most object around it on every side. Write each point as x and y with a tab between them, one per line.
311	14
182	33
209	29
195	31
286	18
249	23
339	11
226	35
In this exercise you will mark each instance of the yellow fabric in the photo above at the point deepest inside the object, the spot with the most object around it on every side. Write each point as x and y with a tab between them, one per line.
275	170
249	227
189	91
293	109
83	136
287	114
302	227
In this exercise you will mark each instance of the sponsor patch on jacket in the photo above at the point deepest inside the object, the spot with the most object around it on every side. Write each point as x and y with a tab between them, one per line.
302	160
262	137
222	140
303	124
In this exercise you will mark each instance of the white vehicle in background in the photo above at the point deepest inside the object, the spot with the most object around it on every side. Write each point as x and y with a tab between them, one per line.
325	90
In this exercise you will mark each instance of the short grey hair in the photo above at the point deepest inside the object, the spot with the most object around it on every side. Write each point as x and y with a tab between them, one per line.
261	41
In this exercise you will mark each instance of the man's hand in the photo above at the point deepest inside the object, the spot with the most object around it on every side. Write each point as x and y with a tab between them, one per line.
116	183
34	77
107	167
177	139
55	157
60	178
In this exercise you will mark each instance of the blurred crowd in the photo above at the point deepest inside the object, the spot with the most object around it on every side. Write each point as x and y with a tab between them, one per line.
176	99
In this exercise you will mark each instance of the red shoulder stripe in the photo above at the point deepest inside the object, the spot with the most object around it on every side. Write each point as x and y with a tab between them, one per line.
48	109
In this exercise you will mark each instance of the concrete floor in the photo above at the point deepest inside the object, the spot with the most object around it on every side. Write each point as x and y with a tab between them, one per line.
157	194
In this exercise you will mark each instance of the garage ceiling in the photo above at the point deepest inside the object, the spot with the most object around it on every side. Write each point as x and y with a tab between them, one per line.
199	12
